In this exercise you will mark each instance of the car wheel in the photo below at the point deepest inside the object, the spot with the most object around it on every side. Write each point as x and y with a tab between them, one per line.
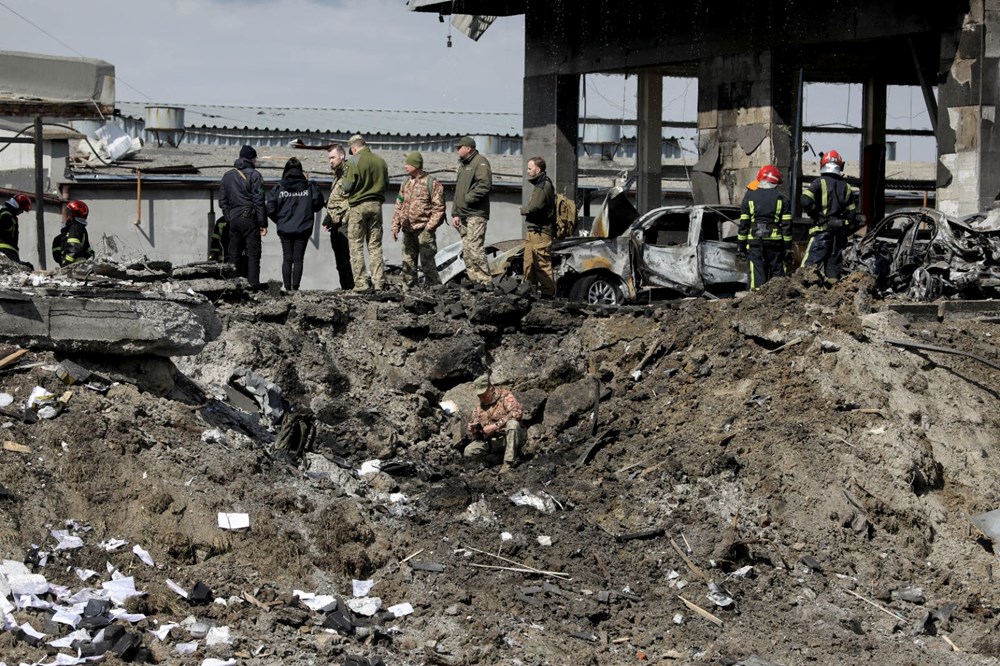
597	290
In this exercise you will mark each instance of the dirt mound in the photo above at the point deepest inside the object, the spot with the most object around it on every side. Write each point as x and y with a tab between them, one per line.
757	480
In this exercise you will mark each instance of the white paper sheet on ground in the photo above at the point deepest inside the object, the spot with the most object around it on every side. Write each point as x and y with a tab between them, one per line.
397	498
163	631
122	614
32	601
85	574
22	581
366	606
234	521
370	467
218	662
178	590
67	640
361	588
143	554
399	610
31	631
66	540
112	545
121	589
66	617
6	399
317	602
187	648
218	636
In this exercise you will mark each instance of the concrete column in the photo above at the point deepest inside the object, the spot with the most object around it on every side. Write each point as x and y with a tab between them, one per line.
551	118
968	141
874	96
649	141
746	115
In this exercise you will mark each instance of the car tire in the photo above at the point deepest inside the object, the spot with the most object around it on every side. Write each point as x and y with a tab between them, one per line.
597	290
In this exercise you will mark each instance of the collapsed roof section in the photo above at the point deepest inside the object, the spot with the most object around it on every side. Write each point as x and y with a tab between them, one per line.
33	84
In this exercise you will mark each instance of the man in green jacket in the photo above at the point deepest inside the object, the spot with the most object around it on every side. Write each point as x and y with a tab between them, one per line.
540	220
470	211
365	181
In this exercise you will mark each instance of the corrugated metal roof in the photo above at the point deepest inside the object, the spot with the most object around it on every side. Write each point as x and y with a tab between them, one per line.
363	121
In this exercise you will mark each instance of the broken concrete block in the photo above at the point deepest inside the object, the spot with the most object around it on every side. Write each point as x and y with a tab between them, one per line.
201	595
339	621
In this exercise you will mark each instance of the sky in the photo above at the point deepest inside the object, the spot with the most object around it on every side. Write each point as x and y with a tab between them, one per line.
360	54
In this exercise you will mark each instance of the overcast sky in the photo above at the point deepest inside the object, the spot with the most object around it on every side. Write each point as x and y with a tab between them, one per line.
370	54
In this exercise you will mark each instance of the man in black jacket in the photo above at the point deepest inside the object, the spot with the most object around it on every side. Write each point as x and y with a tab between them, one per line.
241	198
540	220
17	204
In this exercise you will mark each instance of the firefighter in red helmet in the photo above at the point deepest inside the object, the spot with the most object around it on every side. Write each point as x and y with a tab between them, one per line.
765	231
17	204
72	245
833	206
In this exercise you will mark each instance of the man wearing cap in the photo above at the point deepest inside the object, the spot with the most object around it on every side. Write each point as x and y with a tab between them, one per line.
495	423
17	204
336	216
241	198
419	211
365	181
470	210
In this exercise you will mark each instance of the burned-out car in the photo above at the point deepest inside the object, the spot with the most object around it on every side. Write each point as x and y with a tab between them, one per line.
669	251
922	254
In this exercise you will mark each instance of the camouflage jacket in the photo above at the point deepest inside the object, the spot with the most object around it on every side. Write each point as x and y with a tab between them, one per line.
336	205
503	408
419	205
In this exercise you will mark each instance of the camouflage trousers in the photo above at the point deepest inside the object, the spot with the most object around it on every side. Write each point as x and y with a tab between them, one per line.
473	232
538	262
510	441
364	228
419	246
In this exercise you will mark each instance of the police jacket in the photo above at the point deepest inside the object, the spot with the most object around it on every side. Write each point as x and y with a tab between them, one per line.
831	202
473	183
241	194
72	245
8	231
765	215
292	205
540	211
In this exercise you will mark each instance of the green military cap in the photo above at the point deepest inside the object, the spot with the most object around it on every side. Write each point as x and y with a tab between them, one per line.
357	138
467	142
482	384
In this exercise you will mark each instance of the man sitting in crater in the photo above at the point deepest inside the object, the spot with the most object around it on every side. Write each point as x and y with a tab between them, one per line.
495	423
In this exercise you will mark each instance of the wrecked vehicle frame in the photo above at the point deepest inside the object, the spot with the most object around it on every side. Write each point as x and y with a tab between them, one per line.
685	250
923	254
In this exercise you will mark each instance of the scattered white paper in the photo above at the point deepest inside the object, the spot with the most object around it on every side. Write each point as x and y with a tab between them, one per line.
178	590
361	588
218	662
164	630
122	614
38	394
506	536
448	407
121	589
397	498
66	540
544	540
6	399
234	521
21	580
399	610
143	554
366	606
28	629
67	640
317	602
218	636
370	467
187	648
85	574
112	545
525	497
65	617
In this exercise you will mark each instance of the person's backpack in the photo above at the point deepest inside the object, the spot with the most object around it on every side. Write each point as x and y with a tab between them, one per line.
430	196
565	216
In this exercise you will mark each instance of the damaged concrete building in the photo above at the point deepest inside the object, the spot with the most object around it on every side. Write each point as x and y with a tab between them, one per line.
751	62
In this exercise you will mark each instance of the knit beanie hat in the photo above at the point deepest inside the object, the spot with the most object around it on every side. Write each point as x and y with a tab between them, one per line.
248	153
415	160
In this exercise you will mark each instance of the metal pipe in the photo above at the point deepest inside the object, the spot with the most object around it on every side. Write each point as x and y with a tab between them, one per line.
138	197
797	146
39	194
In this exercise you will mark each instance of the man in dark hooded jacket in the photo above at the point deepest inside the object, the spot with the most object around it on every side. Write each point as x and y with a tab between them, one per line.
241	198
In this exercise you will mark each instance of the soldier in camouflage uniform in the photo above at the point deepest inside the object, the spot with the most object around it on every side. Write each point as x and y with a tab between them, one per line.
419	211
336	216
364	183
495	423
470	209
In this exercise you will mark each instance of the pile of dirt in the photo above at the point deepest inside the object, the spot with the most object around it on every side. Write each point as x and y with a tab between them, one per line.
756	480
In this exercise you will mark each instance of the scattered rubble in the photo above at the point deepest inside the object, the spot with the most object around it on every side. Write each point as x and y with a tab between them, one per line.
778	485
